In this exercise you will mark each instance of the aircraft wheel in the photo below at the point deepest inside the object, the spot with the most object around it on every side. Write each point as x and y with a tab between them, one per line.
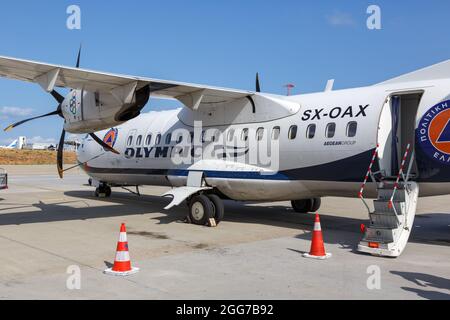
316	205
201	210
103	192
218	207
97	193
302	206
90	182
108	191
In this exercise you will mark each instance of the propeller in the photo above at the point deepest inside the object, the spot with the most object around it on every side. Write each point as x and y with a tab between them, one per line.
79	57
93	136
103	144
58	112
54	113
60	154
258	85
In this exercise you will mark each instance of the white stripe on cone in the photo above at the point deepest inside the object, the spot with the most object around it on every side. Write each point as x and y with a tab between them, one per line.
122	256
317	226
123	237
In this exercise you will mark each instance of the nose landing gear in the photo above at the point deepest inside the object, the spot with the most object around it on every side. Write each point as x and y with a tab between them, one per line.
306	205
103	191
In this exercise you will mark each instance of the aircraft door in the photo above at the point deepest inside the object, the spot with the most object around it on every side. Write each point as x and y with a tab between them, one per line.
396	130
385	137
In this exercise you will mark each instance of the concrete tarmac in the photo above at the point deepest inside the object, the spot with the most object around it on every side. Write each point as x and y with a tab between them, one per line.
48	225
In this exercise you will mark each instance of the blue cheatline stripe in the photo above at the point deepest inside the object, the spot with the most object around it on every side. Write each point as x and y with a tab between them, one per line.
230	174
352	169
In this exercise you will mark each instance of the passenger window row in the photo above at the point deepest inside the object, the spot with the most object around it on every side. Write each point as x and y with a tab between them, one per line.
330	132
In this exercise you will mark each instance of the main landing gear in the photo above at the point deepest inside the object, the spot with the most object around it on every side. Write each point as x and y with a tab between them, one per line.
306	205
103	191
205	209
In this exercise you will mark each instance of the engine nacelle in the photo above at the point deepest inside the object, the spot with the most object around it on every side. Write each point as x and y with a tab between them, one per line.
86	112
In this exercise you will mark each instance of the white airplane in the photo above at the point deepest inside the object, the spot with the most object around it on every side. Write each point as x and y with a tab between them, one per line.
12	145
253	146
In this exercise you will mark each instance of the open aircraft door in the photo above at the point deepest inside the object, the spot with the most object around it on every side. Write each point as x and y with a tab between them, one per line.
396	130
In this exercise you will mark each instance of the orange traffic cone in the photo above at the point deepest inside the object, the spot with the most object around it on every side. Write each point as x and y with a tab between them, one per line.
122	264
317	247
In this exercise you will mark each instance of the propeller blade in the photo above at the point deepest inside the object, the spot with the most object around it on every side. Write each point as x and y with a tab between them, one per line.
60	155
54	113
103	144
57	96
79	57
258	86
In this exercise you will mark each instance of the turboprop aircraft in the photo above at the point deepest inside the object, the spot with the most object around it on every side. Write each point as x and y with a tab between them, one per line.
253	146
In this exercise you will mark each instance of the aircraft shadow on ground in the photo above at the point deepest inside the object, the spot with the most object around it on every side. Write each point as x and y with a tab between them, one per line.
426	281
433	227
120	205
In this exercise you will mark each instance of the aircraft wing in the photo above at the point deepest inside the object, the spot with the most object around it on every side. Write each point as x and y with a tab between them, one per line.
49	76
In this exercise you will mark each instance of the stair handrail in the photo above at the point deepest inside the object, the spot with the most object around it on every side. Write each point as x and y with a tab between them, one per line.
366	178
407	188
400	174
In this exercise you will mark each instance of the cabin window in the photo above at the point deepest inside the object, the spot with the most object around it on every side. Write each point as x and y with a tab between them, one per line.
259	134
148	140
203	136
212	135
230	135
139	140
158	139
180	139
352	127
293	132
168	138
244	135
330	130
192	136
276	133
311	131
216	135
130	141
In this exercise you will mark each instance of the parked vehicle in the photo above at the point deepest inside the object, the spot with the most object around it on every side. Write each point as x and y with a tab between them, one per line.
3	179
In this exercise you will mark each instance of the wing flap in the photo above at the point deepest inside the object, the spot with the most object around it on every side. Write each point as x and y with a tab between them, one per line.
74	78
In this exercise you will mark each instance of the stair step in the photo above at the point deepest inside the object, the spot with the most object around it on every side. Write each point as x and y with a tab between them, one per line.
380	235
384	221
382	206
386	194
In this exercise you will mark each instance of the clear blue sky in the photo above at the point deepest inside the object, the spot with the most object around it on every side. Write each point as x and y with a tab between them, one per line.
220	43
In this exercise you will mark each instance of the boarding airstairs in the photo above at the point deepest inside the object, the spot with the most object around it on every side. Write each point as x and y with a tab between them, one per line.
392	219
